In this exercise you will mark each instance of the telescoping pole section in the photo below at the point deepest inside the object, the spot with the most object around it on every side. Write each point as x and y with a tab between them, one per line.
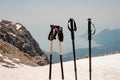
52	35
72	28
51	51
90	38
60	39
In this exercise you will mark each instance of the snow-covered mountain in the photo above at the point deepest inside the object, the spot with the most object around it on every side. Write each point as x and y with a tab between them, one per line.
17	35
103	68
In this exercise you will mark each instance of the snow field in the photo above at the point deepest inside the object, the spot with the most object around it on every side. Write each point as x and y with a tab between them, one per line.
103	68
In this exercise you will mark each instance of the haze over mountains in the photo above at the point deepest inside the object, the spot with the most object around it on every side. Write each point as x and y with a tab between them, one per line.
108	40
17	35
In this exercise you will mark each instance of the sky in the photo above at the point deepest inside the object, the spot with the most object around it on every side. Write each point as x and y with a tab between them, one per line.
37	15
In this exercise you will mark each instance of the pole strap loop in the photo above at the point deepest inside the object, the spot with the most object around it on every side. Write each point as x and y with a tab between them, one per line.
94	29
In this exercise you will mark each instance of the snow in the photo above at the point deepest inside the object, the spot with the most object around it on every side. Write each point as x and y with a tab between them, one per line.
18	60
12	34
1	55
18	26
103	68
20	30
8	60
0	20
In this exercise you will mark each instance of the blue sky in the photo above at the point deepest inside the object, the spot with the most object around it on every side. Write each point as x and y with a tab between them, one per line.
37	15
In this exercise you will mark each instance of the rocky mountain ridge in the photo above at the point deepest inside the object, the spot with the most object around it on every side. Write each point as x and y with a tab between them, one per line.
17	35
12	57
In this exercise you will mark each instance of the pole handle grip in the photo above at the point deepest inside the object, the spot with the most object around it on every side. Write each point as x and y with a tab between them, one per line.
51	47
72	27
89	29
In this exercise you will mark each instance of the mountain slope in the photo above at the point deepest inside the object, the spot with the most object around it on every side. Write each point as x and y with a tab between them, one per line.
17	35
12	57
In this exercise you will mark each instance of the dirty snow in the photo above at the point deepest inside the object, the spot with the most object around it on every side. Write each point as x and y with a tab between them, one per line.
6	59
103	68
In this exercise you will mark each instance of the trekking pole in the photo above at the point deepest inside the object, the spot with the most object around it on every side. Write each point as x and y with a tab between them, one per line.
73	28
51	37
60	39
90	38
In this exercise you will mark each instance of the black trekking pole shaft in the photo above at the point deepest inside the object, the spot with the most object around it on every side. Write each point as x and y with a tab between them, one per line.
61	62
74	55
90	62
89	38
61	67
50	68
60	39
73	28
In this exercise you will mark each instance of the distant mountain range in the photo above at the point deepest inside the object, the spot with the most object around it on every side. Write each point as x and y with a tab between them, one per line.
55	58
108	39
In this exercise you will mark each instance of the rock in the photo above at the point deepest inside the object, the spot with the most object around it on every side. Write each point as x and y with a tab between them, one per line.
10	56
17	35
